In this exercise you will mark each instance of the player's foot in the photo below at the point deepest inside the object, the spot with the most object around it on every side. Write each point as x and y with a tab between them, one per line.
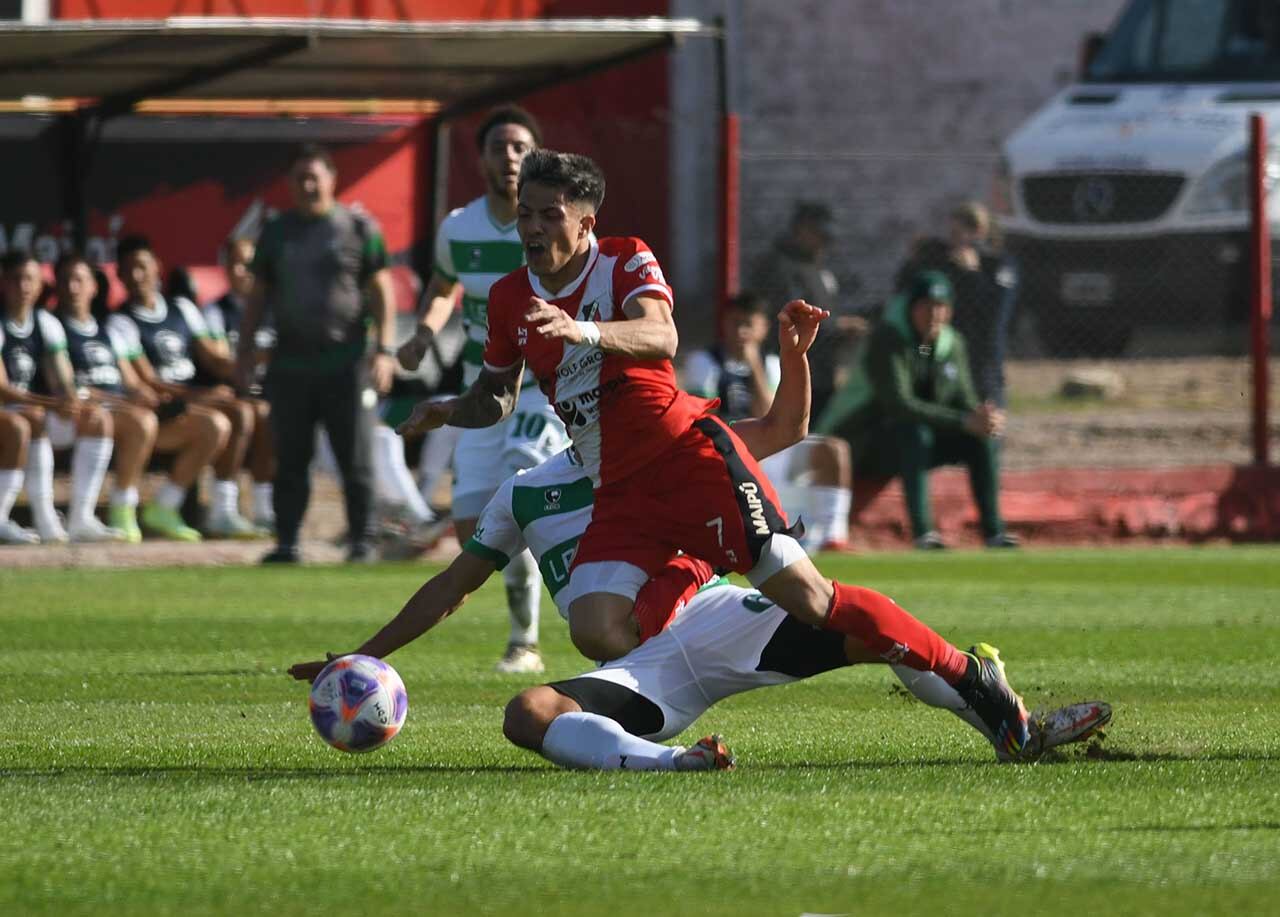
1003	540
92	531
930	541
1073	723
12	533
994	701
232	525
167	523
125	519
52	532
283	554
709	754
266	523
361	552
521	659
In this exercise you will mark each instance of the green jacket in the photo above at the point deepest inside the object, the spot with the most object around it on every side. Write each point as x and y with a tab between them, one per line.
892	367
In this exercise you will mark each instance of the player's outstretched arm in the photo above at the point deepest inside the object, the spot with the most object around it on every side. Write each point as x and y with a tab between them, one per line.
787	421
438	598
647	333
491	398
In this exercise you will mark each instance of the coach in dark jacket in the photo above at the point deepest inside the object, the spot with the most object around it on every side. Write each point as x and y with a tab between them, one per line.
321	272
911	407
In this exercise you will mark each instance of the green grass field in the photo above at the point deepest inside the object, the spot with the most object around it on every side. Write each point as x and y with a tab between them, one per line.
156	759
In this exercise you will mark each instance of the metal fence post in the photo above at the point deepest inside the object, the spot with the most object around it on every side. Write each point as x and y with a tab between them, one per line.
1260	265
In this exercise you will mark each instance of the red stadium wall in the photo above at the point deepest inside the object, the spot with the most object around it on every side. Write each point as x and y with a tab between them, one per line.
187	193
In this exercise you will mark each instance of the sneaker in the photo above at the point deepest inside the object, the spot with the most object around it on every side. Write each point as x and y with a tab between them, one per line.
12	533
521	659
1073	723
232	525
265	523
167	523
92	531
709	754
996	704
361	552
283	554
930	541
1003	540
125	519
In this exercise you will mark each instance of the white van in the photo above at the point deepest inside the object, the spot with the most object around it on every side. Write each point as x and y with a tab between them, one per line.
1125	199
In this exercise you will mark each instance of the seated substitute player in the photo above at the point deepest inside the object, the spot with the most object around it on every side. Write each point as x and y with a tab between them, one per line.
37	383
593	320
727	640
166	341
475	246
15	437
813	476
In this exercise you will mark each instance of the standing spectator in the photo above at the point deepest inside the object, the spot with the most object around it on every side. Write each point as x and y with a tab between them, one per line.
812	477
223	317
38	380
913	407
796	269
320	270
985	283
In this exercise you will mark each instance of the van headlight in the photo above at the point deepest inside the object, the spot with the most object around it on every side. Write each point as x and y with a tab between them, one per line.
1225	187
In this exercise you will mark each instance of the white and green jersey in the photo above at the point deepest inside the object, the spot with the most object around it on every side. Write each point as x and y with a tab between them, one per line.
546	509
475	251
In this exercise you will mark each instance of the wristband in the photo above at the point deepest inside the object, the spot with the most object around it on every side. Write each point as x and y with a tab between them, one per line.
590	333
386	351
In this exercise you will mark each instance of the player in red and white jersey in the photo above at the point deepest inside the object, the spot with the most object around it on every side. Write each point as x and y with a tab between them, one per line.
593	320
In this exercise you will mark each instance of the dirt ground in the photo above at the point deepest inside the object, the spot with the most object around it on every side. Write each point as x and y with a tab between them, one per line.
1172	412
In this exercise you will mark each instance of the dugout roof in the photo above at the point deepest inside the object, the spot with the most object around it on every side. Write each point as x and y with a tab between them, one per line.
460	65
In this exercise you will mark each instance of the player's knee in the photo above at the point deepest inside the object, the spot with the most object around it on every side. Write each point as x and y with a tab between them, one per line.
212	428
800	589
139	423
96	422
603	639
241	415
529	713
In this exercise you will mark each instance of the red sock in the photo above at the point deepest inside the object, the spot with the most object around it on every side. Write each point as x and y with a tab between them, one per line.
667	591
893	634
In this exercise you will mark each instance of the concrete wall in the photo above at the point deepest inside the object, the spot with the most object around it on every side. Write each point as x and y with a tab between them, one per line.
891	110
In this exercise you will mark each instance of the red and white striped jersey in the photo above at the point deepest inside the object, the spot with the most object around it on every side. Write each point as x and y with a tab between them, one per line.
621	412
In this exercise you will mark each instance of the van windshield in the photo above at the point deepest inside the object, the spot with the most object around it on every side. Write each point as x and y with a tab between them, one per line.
1191	41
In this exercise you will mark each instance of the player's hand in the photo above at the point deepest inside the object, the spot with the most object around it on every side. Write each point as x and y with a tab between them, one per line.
427	416
246	369
552	322
69	408
145	397
382	372
413	350
798	326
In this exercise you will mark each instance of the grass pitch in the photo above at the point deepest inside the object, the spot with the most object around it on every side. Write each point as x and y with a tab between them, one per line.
156	758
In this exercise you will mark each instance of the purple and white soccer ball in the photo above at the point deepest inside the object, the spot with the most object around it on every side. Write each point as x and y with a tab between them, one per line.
358	703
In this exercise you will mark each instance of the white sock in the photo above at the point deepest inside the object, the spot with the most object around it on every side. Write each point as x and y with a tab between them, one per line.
933	690
391	478
263	508
437	453
40	488
829	508
524	597
89	460
170	495
126	497
226	499
10	486
592	742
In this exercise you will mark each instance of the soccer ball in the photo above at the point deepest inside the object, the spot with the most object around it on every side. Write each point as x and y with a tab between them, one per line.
358	703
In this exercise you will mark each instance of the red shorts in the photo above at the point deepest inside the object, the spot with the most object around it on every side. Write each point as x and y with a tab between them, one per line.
706	496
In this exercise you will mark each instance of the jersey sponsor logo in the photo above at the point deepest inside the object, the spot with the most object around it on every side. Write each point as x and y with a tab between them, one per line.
580	365
583	409
638	259
22	369
653	272
752	494
522	336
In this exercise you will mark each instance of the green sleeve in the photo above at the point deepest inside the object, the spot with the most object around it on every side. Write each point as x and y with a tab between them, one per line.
890	370
374	255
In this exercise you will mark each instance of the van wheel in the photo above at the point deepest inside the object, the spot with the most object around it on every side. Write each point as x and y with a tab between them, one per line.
1075	333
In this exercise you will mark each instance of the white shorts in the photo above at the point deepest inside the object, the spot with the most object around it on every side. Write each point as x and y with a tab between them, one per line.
60	430
486	457
725	641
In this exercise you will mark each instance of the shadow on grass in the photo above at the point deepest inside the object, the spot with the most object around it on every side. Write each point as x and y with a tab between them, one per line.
266	773
1051	758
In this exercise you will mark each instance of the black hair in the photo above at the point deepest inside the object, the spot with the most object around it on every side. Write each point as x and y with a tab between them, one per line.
748	301
69	259
15	258
309	151
577	176
180	283
131	245
508	114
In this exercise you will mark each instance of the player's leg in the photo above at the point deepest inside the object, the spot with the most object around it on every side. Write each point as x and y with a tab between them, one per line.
347	412
136	429
262	466
225	520
913	445
981	456
825	471
90	457
39	473
195	436
435	459
15	439
294	416
394	486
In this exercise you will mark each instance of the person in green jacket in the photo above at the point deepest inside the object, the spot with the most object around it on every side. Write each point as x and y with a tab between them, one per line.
911	406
